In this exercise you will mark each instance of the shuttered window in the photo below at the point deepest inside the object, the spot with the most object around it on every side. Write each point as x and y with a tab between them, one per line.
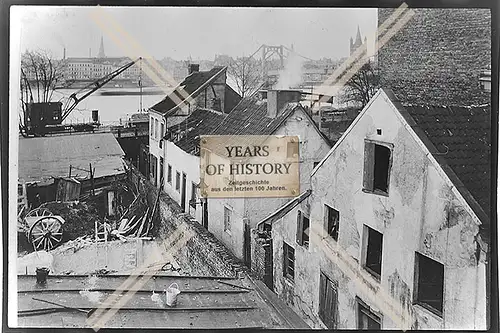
377	166
302	229
328	300
169	174
288	261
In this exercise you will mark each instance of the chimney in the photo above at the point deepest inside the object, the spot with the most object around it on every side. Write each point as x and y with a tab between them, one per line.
64	53
193	68
277	99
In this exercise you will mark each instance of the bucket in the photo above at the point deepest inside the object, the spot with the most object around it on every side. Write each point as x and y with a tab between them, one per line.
171	294
41	275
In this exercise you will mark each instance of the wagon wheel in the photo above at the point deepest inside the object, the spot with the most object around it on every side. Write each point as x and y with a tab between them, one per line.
46	233
39	212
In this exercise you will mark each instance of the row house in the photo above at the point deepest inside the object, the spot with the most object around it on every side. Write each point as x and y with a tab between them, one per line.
200	89
395	231
278	112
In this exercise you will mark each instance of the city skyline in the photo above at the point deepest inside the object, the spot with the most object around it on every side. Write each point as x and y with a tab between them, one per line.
314	33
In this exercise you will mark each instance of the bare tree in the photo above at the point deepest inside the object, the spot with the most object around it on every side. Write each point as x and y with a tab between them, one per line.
245	73
40	75
361	87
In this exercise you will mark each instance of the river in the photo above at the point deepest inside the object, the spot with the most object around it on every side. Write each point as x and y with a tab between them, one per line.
112	108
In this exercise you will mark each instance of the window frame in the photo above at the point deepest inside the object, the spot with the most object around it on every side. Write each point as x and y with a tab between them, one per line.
301	231
417	284
323	311
366	242
369	166
326	221
363	308
287	250
192	202
169	174
178	181
228	212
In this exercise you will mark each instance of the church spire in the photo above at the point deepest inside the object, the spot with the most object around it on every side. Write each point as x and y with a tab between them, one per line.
358	37
101	50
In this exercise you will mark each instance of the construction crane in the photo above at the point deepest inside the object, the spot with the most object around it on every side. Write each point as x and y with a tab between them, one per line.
42	118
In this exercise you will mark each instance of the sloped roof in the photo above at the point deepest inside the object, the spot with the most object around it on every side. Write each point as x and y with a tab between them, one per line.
42	158
285	209
199	122
231	99
204	302
249	117
190	85
459	138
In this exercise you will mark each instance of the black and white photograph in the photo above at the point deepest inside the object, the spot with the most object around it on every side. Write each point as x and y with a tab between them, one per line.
252	168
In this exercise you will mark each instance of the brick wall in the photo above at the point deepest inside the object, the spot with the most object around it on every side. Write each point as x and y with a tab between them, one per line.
203	254
438	56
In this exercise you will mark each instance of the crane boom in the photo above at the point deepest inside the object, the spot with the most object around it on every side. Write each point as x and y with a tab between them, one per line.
74	98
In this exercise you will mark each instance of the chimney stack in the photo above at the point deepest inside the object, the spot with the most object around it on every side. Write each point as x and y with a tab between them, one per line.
193	68
64	53
277	99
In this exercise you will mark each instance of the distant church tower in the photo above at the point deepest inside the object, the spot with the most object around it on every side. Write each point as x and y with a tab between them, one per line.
353	46
101	50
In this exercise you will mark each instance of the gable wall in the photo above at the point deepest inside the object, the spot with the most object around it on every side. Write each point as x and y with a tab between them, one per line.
412	218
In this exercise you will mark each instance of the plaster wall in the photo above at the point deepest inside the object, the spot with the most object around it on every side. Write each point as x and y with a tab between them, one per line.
420	214
190	165
312	149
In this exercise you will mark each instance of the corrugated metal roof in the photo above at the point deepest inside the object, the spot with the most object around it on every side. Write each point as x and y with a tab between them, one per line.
42	158
204	302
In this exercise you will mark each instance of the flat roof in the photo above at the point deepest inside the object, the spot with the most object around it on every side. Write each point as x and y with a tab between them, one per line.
204	302
42	158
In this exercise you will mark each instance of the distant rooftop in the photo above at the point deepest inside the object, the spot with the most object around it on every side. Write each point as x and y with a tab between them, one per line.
191	84
204	302
42	158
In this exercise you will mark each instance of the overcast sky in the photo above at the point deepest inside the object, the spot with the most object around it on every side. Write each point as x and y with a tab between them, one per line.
197	32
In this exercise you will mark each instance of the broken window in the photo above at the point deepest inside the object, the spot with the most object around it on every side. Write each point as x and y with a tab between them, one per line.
192	202
302	229
373	251
332	222
367	320
227	219
378	160
177	181
429	277
292	149
328	298
288	261
169	174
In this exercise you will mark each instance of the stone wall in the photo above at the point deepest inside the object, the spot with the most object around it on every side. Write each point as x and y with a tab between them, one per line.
438	56
203	254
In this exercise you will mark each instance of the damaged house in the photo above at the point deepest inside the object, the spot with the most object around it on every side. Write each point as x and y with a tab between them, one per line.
66	167
395	232
278	112
200	89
